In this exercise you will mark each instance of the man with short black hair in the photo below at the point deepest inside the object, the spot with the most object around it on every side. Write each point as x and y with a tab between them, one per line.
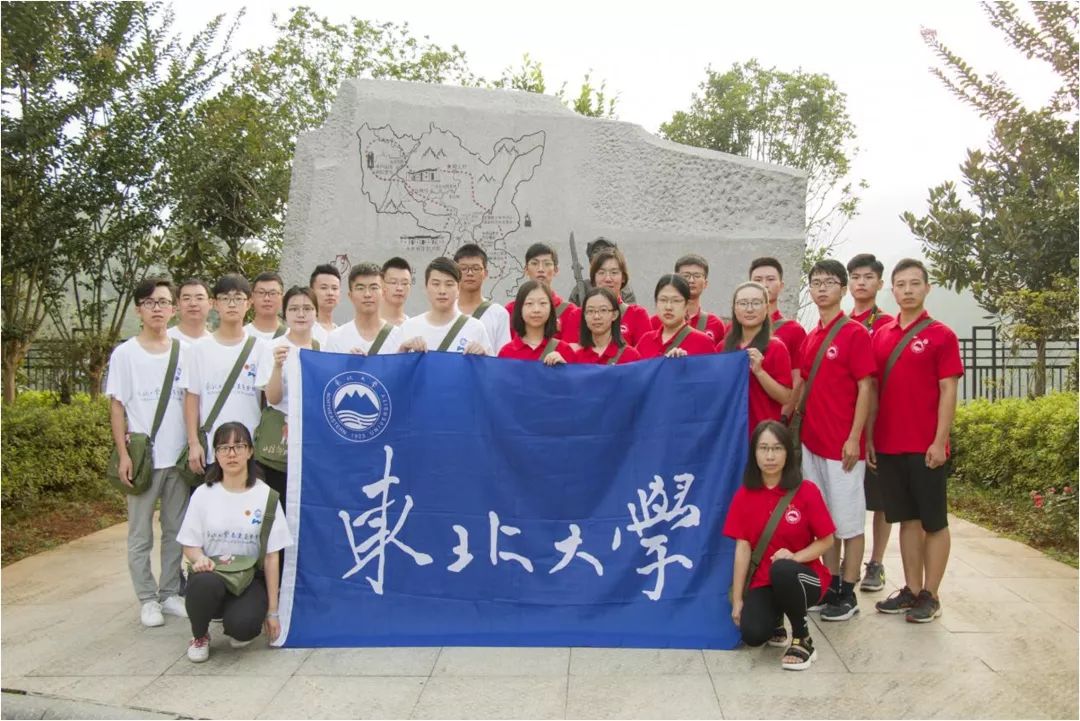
837	360
397	279
367	330
918	367
444	327
326	282
194	311
542	265
694	269
139	371
267	292
865	274
768	271
473	262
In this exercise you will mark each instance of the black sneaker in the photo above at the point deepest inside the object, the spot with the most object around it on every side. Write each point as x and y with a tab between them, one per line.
926	608
899	602
844	608
830	598
874	578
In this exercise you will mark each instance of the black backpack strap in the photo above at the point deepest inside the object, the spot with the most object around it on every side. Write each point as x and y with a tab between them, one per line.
282	329
454	330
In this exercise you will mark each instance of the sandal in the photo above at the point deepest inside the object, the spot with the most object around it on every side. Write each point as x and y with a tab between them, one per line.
778	638
802	649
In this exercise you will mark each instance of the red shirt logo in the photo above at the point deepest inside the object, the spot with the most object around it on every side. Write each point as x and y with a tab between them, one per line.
919	345
792	515
832	352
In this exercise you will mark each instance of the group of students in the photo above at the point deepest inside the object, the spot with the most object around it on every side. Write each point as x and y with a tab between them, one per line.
819	410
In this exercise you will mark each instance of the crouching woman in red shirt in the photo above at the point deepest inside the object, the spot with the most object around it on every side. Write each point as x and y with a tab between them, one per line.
790	575
535	324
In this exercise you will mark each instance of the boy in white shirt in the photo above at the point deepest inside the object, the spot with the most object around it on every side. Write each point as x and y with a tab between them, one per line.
365	289
194	310
266	293
326	282
429	331
136	380
207	367
397	278
473	261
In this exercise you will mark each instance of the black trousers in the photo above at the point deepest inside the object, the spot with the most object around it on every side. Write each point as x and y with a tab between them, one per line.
208	598
276	480
793	587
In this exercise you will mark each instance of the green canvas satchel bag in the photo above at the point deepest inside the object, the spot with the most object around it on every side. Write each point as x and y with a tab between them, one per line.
239	571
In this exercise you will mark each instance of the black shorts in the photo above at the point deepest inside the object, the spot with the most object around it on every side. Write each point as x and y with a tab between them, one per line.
913	492
872	490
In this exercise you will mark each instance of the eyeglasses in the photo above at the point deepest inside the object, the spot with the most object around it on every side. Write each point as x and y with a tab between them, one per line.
667	300
609	273
151	303
770	450
232	299
826	283
693	276
267	293
748	304
300	309
231	450
471	269
537	264
598	312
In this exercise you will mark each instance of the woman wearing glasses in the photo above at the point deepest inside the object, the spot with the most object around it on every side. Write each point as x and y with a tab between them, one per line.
608	270
224	520
770	362
674	338
600	335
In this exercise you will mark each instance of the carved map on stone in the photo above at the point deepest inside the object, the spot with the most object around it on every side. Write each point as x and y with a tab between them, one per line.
454	194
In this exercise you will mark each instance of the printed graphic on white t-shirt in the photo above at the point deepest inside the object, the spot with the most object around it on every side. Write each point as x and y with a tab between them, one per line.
136	378
224	523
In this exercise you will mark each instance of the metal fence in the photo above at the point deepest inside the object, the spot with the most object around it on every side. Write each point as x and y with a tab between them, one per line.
995	368
49	366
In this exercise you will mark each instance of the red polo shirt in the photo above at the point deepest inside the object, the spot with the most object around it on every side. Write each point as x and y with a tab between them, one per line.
880	321
589	355
908	402
520	350
696	343
777	363
805	520
568	325
830	409
793	335
714	327
634	324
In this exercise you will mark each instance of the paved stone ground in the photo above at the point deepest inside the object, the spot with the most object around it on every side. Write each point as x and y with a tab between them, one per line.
1006	647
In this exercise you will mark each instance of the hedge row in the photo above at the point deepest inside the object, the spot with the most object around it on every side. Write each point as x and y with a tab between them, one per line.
1019	446
51	449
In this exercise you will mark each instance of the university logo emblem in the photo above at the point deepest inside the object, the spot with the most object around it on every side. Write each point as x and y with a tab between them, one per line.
356	405
919	345
832	352
792	515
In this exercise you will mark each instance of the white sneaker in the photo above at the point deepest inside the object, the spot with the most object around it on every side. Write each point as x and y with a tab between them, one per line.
174	606
151	614
199	649
238	644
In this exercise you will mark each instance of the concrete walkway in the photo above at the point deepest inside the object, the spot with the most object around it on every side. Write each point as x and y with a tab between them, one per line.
1006	647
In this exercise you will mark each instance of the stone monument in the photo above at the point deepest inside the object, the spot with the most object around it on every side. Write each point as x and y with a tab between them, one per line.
417	170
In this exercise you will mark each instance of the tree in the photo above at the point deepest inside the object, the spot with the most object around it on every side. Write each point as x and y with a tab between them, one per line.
797	119
593	102
1011	236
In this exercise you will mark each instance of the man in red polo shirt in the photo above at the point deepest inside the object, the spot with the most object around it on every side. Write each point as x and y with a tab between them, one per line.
865	279
542	264
910	442
836	409
694	269
770	274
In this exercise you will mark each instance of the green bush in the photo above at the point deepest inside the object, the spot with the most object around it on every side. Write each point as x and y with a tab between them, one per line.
1017	446
50	449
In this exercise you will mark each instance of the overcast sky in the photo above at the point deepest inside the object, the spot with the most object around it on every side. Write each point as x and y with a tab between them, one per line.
912	133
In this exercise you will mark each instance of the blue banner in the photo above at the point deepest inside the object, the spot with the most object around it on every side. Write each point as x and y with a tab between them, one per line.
442	499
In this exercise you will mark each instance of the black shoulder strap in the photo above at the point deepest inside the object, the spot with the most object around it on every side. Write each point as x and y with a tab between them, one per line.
383	334
166	388
454	330
840	322
895	355
767	534
267	522
229	383
481	309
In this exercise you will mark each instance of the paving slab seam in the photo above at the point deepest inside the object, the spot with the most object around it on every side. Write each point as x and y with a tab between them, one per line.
712	682
566	698
434	665
13	695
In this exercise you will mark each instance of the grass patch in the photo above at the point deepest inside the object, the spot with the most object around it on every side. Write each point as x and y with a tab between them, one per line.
55	522
1045	527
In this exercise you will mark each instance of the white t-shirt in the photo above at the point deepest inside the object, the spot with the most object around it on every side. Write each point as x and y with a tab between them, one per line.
206	367
251	330
497	324
178	334
397	324
224	523
320	334
266	368
433	335
346	337
136	377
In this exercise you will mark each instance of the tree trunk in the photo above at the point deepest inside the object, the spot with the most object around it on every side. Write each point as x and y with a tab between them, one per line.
14	353
1040	366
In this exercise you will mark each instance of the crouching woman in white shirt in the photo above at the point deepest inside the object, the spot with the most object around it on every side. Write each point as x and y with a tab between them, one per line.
224	518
